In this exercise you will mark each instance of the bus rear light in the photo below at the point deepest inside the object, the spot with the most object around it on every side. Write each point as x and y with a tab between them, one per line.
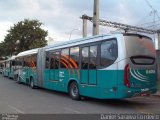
127	76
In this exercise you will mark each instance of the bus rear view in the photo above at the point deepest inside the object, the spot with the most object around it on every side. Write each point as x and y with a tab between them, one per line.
139	66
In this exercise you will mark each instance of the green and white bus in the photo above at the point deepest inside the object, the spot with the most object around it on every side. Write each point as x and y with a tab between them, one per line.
110	66
2	65
9	67
25	68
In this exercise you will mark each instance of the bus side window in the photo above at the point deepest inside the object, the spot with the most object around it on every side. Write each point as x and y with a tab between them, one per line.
33	61
56	56
47	60
74	57
64	58
13	63
85	58
52	60
108	52
93	57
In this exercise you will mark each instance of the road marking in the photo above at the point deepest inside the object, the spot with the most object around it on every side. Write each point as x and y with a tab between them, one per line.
72	110
16	109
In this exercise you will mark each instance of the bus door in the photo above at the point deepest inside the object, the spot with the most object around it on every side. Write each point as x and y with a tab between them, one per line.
89	65
25	73
54	66
11	68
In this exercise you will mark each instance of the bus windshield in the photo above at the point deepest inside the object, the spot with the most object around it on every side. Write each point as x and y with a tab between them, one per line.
140	49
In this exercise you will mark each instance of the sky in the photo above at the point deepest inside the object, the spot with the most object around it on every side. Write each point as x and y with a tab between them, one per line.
62	17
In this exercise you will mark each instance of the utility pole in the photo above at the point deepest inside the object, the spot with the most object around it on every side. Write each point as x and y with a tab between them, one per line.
96	18
84	27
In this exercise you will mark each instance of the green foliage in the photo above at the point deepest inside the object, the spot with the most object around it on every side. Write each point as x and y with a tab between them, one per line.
24	35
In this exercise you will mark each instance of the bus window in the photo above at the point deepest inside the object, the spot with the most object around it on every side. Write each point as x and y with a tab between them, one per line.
64	58
108	52
51	61
19	62
142	60
7	64
85	58
74	57
56	55
93	57
140	49
47	60
25	62
33	61
13	63
54	60
2	65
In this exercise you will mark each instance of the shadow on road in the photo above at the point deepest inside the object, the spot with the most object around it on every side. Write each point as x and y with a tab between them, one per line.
109	102
114	103
127	103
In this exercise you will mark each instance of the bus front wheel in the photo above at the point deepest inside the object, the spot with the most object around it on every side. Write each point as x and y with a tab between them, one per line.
74	91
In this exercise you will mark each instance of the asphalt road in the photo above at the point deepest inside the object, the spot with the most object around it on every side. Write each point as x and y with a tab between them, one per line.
19	98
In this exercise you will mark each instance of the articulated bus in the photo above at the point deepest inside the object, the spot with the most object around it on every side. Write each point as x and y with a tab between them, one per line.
110	66
9	67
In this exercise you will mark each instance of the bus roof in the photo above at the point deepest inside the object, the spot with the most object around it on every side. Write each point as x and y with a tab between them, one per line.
80	41
11	58
28	52
73	41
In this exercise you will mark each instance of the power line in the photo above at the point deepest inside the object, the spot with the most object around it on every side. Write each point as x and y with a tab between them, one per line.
148	23
153	9
142	20
124	27
152	26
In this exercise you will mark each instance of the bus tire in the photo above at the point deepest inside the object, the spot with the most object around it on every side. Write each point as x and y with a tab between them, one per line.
74	91
32	83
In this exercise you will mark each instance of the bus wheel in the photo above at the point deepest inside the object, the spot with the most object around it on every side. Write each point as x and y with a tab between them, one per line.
32	83
74	91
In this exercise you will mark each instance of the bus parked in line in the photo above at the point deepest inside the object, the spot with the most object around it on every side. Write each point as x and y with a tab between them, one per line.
2	65
107	66
25	68
9	67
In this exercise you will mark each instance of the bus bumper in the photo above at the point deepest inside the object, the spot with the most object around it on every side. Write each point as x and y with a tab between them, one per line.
128	92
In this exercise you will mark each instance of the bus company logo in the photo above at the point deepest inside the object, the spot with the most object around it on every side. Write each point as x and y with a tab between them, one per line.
150	71
145	90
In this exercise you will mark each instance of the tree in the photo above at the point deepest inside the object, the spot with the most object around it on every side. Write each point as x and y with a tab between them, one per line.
2	51
25	35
